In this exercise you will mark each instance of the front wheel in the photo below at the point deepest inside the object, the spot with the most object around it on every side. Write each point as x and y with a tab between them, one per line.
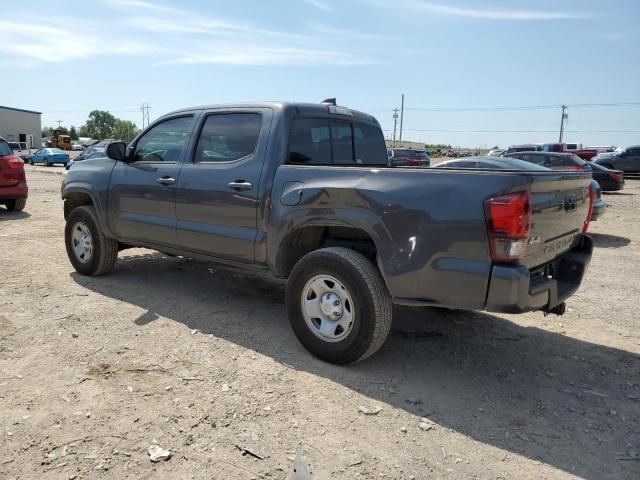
338	305
89	250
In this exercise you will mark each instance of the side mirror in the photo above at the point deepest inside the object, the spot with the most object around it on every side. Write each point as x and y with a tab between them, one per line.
116	151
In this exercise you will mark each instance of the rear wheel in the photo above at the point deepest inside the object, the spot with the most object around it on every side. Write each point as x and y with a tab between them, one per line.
89	250
338	305
16	205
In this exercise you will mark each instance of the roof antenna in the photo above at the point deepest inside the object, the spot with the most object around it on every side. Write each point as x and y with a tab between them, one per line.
330	101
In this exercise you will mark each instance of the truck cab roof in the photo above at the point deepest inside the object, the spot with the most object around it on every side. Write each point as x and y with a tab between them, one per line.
299	108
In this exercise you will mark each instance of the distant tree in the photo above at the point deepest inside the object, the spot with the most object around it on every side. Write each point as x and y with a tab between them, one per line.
47	132
83	132
100	124
495	147
73	133
62	130
124	130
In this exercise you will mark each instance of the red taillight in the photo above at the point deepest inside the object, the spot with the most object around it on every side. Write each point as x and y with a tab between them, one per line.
508	224
616	176
12	161
575	168
585	229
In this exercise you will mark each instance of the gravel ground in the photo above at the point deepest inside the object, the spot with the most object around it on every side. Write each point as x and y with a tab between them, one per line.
200	360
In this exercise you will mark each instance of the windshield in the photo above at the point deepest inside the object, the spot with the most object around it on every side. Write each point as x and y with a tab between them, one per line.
5	149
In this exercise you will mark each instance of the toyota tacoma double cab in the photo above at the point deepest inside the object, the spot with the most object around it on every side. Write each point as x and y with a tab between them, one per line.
305	191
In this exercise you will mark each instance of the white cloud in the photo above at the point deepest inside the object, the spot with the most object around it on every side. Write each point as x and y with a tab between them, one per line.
166	35
481	13
321	4
327	31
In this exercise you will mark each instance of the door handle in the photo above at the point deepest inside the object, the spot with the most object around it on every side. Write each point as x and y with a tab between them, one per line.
166	181
240	185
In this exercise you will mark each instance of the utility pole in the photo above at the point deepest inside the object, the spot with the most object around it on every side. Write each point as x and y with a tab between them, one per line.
565	116
395	121
59	123
401	118
145	109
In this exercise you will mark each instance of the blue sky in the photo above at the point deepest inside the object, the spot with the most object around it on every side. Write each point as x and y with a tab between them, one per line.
456	55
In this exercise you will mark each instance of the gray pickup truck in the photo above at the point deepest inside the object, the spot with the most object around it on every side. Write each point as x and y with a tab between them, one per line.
305	191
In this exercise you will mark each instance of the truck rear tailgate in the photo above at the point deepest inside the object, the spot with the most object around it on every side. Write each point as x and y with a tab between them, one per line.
559	210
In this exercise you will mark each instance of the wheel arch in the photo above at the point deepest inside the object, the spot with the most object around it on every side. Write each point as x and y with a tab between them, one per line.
309	237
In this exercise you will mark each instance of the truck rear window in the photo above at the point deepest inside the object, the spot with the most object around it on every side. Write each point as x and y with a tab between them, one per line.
335	142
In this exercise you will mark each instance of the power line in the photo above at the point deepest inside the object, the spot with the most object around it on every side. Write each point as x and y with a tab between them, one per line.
518	131
515	108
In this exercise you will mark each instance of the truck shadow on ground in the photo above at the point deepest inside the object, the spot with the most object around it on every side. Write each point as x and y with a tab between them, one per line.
552	398
6	215
603	240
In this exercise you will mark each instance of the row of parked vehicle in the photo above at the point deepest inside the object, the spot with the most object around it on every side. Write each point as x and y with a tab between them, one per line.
538	157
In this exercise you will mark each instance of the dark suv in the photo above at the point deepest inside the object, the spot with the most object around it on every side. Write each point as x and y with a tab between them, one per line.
406	157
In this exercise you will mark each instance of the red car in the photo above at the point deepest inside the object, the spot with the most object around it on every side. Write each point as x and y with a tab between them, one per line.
13	182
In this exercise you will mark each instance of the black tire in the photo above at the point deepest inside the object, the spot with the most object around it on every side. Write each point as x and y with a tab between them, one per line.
16	205
372	302
105	249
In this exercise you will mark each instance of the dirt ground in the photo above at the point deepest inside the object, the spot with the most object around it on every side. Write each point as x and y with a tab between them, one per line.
200	360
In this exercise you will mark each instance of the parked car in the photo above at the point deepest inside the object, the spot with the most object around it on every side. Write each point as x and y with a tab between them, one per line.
491	163
609	180
495	153
95	151
599	205
13	182
554	161
77	147
553	147
627	160
530	147
305	191
602	148
21	150
406	157
50	156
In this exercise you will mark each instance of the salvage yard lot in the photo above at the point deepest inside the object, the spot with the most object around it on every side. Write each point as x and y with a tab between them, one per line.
200	360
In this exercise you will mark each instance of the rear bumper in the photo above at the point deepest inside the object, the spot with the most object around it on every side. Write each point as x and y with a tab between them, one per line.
15	191
516	289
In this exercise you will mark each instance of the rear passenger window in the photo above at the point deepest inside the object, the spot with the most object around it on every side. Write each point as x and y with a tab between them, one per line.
335	142
536	159
370	146
557	162
310	142
342	142
228	137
